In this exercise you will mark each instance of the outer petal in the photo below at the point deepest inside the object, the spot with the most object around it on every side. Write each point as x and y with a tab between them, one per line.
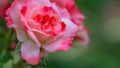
63	12
30	52
13	19
71	28
76	15
61	44
42	2
13	12
83	35
21	36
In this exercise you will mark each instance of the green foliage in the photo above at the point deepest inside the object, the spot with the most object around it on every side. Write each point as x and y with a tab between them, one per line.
5	57
2	22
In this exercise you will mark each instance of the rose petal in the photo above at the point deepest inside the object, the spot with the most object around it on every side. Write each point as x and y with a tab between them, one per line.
83	35
29	30
64	13
83	38
30	52
21	36
13	12
42	2
61	44
71	28
76	15
9	22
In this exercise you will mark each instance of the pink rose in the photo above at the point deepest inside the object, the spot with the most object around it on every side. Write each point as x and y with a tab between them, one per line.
4	4
41	27
76	17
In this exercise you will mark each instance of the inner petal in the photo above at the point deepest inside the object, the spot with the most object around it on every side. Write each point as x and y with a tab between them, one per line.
47	21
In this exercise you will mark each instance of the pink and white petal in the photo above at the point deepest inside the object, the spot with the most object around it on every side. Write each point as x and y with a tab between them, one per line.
83	35
14	16
83	38
61	3
71	28
59	45
78	18
29	31
56	8
9	22
42	2
32	35
64	13
76	15
21	36
30	52
41	37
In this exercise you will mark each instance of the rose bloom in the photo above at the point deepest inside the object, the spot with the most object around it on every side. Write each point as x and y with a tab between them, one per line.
43	26
4	4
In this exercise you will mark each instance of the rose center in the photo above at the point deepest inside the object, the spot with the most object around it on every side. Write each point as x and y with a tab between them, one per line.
47	20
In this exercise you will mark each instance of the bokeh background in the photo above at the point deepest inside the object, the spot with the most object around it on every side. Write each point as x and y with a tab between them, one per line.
103	23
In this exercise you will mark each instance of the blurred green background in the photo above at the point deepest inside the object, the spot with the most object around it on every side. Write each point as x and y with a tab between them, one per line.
103	23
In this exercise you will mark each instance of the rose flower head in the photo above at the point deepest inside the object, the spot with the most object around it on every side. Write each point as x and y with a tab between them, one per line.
41	27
